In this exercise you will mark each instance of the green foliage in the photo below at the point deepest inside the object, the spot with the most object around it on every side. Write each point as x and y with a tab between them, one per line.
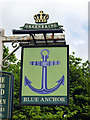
12	58
79	76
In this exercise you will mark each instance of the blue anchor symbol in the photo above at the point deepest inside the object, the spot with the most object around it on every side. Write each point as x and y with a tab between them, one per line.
44	64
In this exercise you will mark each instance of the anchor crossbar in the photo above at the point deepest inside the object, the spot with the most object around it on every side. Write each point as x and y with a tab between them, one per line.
48	63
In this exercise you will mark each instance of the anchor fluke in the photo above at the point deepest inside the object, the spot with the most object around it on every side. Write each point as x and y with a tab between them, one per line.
27	82
61	81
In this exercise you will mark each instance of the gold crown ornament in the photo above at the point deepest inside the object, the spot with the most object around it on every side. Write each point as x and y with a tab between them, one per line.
41	17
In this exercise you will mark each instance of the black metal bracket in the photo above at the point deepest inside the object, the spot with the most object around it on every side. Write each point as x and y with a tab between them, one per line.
16	43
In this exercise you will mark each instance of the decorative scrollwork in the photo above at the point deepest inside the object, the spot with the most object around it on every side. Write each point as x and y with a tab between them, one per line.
15	43
6	64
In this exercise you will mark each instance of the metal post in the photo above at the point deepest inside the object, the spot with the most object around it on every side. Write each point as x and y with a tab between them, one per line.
1	47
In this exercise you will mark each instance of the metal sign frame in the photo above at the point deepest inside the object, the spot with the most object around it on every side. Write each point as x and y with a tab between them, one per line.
35	99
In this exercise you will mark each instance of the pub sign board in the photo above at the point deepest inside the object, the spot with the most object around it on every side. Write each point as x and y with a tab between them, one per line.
44	75
6	95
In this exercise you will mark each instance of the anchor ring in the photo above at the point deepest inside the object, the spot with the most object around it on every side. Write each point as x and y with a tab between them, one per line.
45	50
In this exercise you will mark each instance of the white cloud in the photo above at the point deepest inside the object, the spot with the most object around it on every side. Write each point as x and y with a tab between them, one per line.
80	42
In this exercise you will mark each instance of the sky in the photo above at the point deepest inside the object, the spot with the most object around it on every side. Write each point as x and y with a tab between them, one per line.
72	14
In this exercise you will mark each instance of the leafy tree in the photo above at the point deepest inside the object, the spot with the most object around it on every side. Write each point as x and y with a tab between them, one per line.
78	109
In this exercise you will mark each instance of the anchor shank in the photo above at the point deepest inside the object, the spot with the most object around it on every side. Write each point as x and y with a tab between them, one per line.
44	73
44	77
